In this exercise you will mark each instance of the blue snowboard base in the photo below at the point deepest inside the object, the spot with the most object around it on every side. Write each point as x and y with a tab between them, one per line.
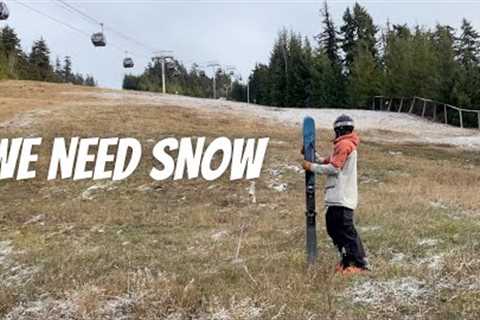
310	214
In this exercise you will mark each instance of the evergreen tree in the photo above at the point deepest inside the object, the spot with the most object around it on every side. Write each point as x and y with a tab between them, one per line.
298	92
131	82
359	33
78	79
328	80
398	63
16	64
365	29
468	46
39	59
278	67
260	83
328	38
348	30
13	56
365	79
239	92
468	55
447	69
90	81
67	70
423	75
58	70
325	94
10	42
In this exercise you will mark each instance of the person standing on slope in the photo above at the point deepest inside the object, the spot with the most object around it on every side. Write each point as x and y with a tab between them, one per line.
341	195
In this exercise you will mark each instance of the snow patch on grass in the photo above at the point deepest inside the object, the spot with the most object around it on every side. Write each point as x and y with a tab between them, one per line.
219	235
24	120
244	309
399	258
13	274
44	309
369	228
434	262
402	291
279	187
93	191
428	242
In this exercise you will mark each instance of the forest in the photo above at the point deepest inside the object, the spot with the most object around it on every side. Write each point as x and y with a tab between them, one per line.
358	60
17	64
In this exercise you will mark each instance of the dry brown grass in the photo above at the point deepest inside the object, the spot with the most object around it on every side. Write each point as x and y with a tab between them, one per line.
170	252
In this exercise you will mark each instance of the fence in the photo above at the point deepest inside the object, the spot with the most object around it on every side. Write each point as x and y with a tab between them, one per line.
429	109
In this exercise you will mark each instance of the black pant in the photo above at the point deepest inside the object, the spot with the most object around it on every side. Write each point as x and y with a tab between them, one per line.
341	229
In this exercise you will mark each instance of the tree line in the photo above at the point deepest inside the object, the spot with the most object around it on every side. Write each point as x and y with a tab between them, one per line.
15	63
180	80
351	63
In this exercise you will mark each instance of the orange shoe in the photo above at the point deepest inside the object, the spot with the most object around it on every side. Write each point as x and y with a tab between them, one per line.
353	270
339	267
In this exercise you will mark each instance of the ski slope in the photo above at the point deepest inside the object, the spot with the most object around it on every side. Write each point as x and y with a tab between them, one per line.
389	127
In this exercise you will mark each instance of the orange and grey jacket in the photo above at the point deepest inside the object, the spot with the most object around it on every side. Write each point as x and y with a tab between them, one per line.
341	171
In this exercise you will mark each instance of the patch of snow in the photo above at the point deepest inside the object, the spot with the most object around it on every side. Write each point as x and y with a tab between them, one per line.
438	205
98	229
219	235
294	168
434	262
91	192
252	192
47	308
395	153
367	180
279	187
244	309
119	308
427	242
397	173
470	283
144	188
24	119
5	251
403	291
275	173
398	258
13	274
369	228
35	219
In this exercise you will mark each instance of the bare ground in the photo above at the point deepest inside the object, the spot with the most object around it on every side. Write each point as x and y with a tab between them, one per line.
196	250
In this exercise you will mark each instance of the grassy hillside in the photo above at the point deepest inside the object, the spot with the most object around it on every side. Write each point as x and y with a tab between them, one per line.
197	250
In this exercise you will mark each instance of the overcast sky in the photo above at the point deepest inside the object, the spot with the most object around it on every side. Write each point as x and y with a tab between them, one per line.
238	33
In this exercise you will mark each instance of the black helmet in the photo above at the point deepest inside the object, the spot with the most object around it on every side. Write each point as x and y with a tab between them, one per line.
343	125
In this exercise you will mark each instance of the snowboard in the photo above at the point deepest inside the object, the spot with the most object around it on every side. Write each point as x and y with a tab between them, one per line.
309	155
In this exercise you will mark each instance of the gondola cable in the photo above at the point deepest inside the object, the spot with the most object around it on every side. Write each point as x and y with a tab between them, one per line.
69	25
97	22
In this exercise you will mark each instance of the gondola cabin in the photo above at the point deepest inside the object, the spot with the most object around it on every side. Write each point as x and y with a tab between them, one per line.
128	63
99	39
4	13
